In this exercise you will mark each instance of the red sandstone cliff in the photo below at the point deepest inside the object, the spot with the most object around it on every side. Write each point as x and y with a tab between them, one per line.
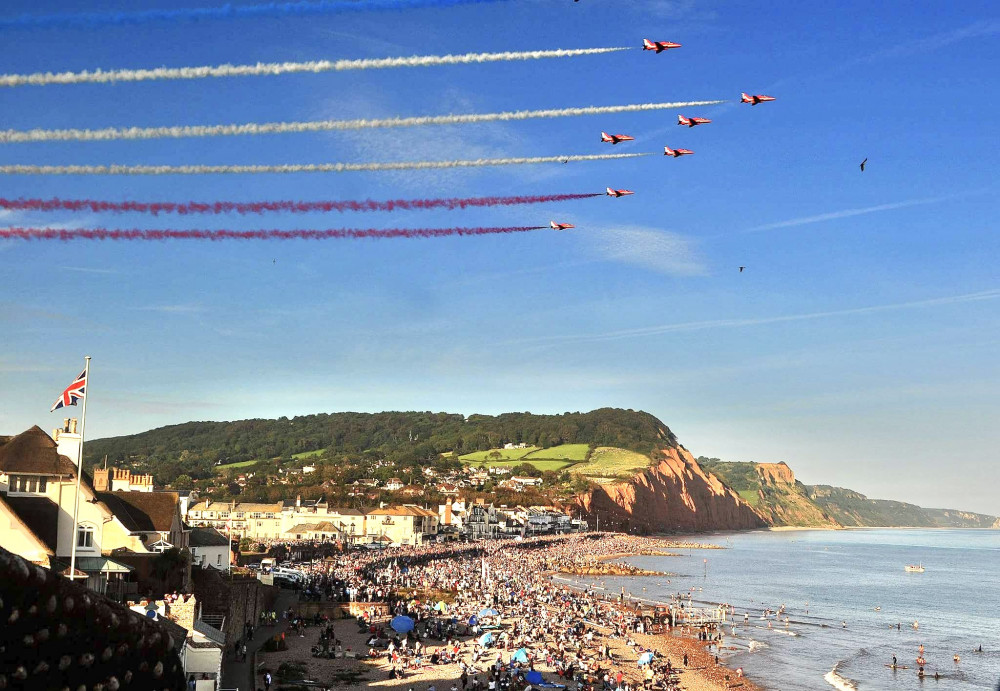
673	494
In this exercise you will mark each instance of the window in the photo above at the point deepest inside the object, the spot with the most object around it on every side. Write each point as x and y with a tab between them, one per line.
85	536
32	484
239	514
218	560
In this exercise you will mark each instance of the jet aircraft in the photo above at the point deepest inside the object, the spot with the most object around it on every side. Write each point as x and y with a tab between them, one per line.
754	100
560	226
676	153
691	122
618	193
658	46
615	138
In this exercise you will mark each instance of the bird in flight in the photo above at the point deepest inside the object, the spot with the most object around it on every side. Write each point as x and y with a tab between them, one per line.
741	269
863	165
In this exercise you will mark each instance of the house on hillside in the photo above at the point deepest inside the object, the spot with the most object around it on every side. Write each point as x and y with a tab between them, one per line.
394	484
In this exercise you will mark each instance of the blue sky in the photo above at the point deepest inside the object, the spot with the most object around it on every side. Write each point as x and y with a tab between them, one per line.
642	306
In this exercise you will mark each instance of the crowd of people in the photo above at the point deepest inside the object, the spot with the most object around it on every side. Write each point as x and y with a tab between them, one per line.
493	610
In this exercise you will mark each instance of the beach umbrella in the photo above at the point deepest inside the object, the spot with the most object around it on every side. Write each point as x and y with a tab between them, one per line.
520	656
401	624
488	613
441	606
486	639
473	620
534	677
645	659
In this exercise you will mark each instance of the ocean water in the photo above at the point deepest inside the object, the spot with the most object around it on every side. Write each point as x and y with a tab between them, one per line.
828	578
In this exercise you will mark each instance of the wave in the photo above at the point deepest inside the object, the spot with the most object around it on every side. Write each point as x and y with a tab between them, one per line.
834	679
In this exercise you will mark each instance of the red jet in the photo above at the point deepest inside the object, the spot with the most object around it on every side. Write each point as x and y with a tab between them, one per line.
754	100
618	193
691	122
676	153
615	138
560	226
658	46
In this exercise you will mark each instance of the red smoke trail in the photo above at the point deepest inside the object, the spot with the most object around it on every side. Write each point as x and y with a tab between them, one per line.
157	208
333	233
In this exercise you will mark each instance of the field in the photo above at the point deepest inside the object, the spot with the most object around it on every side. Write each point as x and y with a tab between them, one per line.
750	496
564	452
607	461
505	455
308	454
540	463
234	466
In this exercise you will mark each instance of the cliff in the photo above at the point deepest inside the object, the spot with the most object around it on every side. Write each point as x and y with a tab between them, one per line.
856	510
673	495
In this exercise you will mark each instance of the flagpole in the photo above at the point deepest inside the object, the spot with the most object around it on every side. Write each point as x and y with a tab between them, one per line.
79	472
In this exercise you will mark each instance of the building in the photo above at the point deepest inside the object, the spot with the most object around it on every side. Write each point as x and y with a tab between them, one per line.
199	645
243	519
119	480
321	531
394	484
404	525
152	517
210	549
37	502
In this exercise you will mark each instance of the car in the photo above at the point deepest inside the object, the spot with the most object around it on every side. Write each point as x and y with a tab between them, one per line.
254	566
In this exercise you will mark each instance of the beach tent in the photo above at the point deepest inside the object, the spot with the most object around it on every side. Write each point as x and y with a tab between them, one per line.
520	656
441	606
401	624
473	620
488	613
645	659
486	639
534	677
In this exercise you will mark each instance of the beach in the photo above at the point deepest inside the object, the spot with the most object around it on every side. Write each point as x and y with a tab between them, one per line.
580	639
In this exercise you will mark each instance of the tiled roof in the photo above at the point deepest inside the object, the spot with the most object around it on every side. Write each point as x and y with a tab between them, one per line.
34	451
208	537
405	510
143	511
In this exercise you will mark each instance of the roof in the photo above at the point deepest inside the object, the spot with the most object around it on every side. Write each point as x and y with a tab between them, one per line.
40	517
34	451
346	512
150	665
209	632
406	510
207	537
321	527
143	512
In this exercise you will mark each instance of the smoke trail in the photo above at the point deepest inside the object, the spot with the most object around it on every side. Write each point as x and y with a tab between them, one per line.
330	234
185	208
275	68
302	168
15	136
270	9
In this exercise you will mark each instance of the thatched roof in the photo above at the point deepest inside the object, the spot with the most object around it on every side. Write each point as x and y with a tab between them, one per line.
34	451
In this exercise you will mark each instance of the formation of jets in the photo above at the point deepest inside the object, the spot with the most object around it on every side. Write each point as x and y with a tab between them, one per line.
659	47
615	138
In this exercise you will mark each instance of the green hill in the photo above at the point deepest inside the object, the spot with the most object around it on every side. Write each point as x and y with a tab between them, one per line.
854	509
401	438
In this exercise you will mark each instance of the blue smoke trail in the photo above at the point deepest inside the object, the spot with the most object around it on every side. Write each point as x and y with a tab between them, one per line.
269	9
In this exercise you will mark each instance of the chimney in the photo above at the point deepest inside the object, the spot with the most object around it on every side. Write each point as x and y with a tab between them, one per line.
208	502
298	500
72	426
101	480
55	434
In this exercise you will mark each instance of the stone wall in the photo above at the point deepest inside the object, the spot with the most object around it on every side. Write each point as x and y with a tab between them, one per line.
341	610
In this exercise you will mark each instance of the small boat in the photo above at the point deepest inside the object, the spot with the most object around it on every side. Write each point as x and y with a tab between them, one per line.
914	568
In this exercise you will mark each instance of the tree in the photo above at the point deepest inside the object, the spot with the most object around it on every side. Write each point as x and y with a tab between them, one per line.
183	482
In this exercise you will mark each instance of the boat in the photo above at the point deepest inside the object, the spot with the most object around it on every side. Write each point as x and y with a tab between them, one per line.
914	568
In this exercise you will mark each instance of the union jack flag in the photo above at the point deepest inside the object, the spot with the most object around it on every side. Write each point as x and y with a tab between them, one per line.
73	393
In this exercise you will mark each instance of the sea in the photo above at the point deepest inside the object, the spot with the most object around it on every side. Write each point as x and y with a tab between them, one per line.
849	602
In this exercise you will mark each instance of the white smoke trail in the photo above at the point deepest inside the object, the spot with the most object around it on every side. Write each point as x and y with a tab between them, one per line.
176	132
301	168
276	68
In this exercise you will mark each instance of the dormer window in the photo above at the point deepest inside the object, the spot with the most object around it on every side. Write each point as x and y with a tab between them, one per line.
85	536
27	484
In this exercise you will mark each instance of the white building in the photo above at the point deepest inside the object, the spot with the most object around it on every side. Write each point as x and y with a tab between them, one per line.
210	549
